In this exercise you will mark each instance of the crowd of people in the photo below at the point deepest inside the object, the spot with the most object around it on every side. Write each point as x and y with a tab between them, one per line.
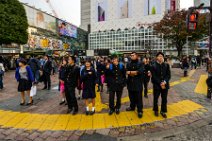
90	75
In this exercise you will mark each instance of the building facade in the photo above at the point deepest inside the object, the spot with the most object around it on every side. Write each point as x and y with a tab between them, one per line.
125	25
85	15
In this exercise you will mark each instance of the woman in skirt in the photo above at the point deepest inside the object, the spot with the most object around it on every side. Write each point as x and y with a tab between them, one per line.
89	80
61	78
25	78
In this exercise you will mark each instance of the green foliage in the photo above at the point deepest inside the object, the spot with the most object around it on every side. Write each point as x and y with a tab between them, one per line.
173	27
153	10
13	22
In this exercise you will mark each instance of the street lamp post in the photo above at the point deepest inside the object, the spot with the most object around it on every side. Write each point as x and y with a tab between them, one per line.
210	28
187	44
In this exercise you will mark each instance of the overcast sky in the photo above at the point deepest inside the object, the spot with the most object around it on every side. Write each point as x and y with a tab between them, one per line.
69	10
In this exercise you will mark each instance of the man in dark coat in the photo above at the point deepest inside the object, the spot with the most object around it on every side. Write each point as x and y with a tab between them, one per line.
160	78
35	66
47	68
72	75
116	82
134	84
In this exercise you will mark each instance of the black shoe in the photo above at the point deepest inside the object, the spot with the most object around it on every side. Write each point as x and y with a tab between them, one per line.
146	96
87	112
140	115
111	112
75	112
156	113
163	115
130	109
92	112
22	104
62	102
69	111
44	88
30	103
117	111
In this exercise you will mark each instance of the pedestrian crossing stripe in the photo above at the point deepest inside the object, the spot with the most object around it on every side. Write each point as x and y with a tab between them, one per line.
54	122
201	87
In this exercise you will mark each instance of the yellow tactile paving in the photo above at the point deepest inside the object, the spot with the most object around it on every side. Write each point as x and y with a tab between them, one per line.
97	121
201	87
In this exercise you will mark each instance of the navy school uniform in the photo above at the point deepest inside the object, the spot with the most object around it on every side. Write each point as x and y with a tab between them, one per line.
89	82
134	85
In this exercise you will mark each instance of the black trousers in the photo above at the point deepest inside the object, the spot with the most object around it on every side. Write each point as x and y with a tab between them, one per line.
71	98
136	99
47	80
156	95
145	84
112	99
209	93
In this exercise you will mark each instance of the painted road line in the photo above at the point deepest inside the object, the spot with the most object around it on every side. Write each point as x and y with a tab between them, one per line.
55	122
201	87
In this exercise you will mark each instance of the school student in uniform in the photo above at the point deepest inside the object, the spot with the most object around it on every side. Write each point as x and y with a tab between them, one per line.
89	80
161	76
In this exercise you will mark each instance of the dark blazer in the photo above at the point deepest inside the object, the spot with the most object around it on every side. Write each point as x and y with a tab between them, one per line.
134	83
62	73
71	76
89	80
160	73
47	67
116	77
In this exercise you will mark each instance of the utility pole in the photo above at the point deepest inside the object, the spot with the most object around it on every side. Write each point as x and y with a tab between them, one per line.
210	30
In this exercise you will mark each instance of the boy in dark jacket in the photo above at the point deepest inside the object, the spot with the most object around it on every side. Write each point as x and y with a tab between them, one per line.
71	77
116	82
134	84
160	78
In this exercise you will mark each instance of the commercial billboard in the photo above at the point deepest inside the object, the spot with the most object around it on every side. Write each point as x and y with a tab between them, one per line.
66	29
198	2
40	19
42	42
124	9
102	10
152	7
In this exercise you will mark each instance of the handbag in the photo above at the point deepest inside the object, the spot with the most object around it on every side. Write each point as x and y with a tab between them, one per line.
103	79
33	91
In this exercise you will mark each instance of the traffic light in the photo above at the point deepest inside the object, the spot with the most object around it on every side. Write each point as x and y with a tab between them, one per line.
192	20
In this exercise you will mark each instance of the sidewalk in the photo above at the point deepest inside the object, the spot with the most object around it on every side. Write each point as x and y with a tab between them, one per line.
46	120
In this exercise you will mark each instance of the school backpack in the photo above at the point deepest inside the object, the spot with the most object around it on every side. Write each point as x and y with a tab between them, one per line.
121	66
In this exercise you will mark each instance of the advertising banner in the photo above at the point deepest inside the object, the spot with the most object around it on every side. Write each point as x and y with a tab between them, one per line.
101	10
66	29
39	19
124	8
152	7
41	42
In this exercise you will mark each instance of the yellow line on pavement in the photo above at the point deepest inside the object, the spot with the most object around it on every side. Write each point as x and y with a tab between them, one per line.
56	122
201	87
